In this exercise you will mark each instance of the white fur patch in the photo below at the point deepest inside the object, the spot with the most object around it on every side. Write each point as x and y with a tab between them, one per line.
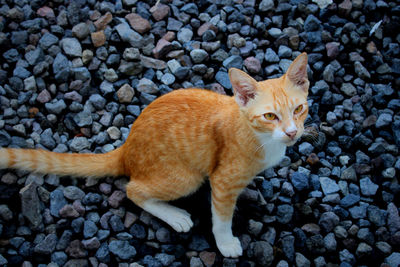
273	148
177	218
228	245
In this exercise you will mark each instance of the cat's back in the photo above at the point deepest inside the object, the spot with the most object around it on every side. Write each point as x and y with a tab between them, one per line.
185	105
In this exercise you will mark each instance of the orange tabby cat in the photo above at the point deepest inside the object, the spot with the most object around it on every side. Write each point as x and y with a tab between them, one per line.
187	135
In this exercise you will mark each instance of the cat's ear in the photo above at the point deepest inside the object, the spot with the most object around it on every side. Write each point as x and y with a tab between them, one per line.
244	86
297	72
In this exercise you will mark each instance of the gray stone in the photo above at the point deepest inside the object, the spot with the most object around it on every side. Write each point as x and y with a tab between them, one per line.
48	40
71	47
185	35
198	55
328	185
266	5
284	213
47	140
47	245
222	78
349	200
348	89
147	86
330	242
302	261
83	118
233	62
30	205
393	259
393	219
56	106
306	148
79	143
299	181
361	71
383	120
196	262
312	23
122	249
89	229
368	188
271	56
263	253
328	221
130	68
131	53
73	193
125	94
129	35
57	201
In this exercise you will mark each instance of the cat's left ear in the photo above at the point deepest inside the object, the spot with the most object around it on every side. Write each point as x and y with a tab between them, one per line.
297	72
244	86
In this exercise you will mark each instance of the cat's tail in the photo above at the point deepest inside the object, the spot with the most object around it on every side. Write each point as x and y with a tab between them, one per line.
71	164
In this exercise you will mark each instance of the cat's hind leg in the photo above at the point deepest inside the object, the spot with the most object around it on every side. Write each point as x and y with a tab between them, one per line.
154	202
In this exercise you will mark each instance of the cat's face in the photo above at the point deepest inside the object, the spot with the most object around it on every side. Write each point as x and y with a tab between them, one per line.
275	108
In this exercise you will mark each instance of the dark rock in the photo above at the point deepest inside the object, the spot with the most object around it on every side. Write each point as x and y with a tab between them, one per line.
122	249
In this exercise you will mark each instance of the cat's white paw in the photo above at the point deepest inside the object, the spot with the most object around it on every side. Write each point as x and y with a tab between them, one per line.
230	247
180	221
177	218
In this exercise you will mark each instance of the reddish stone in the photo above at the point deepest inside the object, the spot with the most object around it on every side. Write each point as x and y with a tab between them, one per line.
205	27
102	22
43	97
208	258
162	48
159	11
116	198
98	38
332	49
370	121
32	112
312	159
345	8
371	48
46	12
138	23
252	64
169	36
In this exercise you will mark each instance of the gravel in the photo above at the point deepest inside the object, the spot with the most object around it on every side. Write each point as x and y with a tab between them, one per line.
76	74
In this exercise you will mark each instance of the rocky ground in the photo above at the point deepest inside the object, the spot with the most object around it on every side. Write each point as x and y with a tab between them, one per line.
74	75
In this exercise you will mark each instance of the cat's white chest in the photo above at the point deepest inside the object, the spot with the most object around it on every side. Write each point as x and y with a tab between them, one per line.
273	153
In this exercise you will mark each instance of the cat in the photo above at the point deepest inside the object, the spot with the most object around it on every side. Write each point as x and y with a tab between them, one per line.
187	135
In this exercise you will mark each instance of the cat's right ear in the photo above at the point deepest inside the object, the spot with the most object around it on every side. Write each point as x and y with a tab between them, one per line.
244	86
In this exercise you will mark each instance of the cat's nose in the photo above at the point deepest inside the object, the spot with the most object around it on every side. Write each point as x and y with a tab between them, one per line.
291	134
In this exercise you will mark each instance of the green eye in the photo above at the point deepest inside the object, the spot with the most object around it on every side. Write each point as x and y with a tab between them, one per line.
298	109
270	116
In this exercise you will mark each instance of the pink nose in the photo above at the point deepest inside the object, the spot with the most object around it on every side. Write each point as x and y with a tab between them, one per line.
291	134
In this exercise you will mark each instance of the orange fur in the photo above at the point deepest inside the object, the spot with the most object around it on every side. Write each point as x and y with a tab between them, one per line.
187	135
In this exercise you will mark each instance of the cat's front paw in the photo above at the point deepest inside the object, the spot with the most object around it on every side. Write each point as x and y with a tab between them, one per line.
230	247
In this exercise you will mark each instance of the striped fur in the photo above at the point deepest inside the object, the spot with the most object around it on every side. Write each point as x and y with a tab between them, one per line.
185	136
78	165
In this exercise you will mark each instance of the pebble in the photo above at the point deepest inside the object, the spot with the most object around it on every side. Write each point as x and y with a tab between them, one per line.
122	249
75	76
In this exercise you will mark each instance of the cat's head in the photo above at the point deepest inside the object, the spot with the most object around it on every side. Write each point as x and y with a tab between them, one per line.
274	108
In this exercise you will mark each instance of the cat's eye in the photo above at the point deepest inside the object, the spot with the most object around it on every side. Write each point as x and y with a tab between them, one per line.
298	109
270	116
